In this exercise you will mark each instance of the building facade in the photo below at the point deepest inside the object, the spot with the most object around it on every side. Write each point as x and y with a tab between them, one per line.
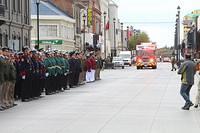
114	27
56	28
15	32
105	15
191	41
93	22
79	11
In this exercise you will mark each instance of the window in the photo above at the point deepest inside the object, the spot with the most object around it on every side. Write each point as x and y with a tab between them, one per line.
1	40
19	6
13	5
6	4
67	32
1	2
48	31
6	40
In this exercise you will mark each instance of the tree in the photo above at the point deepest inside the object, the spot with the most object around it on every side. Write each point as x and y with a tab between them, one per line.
138	39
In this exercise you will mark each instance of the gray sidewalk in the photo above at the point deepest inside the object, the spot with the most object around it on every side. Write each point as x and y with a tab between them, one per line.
124	101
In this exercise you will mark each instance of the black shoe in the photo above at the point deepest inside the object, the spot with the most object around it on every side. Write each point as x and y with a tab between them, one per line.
186	108
196	106
191	104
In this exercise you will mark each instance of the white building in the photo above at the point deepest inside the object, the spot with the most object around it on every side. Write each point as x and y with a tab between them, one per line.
56	28
105	9
113	14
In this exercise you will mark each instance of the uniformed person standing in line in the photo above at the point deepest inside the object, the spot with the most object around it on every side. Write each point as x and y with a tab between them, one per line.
42	72
26	73
36	75
78	69
48	75
5	88
1	80
12	80
66	73
82	73
99	66
72	69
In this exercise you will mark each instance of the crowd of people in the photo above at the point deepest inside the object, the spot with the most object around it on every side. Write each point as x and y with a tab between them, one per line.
28	74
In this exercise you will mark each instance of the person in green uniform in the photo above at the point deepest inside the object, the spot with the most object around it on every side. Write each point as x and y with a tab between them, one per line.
11	80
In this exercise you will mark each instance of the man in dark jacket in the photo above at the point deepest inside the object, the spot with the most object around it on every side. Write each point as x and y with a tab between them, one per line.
187	71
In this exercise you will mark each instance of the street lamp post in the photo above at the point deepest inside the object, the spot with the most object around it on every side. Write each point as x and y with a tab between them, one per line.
114	22
84	19
178	33
122	36
176	39
127	37
104	34
38	22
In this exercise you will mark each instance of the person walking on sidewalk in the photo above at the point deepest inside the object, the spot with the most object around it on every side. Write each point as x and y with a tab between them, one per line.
173	62
187	71
197	102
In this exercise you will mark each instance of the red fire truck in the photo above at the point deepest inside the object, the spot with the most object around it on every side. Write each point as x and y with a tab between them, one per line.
146	55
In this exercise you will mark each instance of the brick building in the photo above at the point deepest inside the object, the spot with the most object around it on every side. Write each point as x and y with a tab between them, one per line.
65	5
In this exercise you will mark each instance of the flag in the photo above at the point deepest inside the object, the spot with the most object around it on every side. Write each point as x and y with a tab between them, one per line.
108	25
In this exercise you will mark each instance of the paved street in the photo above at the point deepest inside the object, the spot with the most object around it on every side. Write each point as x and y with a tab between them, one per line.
124	101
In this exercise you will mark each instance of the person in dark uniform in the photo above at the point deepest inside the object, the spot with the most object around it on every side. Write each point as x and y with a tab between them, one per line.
42	72
18	79
26	75
35	75
78	69
72	69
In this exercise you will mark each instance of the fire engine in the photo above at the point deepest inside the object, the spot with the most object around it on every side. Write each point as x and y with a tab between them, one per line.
146	55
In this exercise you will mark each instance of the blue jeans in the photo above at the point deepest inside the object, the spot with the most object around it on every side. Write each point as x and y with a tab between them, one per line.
185	92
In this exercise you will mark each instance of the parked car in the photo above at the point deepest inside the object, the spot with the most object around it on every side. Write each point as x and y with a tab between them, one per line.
118	62
166	59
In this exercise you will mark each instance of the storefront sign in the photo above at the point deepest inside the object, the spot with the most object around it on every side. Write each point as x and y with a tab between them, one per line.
51	42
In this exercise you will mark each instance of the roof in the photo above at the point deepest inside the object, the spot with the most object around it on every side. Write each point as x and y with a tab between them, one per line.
47	8
193	15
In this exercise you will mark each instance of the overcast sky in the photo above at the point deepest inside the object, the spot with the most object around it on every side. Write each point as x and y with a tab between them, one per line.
156	17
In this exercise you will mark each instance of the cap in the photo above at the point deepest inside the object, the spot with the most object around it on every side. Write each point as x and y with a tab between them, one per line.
25	48
20	53
71	53
5	49
34	52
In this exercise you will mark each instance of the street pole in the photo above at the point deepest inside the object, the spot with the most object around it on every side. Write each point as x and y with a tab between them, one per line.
84	47
178	34
114	37
38	26
128	37
195	36
122	36
104	35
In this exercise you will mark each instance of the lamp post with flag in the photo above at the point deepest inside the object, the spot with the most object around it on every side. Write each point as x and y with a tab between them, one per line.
127	39
114	22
